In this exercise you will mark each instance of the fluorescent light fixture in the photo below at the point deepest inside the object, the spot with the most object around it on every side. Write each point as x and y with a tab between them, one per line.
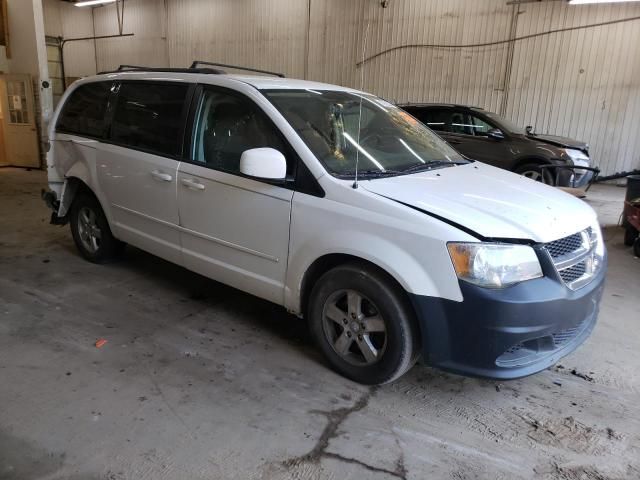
586	2
88	3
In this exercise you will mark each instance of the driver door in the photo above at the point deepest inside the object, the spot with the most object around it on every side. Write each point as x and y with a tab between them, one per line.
234	229
474	143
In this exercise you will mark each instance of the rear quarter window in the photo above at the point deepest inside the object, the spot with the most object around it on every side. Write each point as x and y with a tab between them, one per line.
84	111
149	116
439	120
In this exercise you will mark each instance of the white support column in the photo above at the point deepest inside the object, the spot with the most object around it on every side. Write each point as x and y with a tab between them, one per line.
45	87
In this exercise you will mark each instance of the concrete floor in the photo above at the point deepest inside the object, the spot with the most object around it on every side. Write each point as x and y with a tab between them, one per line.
200	381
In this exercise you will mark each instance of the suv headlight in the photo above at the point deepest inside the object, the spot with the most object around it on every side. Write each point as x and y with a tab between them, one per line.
494	265
577	156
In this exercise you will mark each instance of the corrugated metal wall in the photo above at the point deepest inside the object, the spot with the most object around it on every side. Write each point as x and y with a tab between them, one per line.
583	83
64	20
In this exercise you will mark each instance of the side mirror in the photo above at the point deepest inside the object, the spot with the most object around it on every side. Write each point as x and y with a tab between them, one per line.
496	134
265	163
529	129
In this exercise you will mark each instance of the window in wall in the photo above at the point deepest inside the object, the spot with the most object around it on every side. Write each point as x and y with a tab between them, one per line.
227	125
149	116
84	111
17	98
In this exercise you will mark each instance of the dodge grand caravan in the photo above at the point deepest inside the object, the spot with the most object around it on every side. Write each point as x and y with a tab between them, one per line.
338	206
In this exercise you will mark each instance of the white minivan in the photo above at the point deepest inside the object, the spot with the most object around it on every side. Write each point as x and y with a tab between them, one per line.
336	205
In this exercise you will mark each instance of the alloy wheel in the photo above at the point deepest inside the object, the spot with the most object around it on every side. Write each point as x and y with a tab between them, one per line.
354	327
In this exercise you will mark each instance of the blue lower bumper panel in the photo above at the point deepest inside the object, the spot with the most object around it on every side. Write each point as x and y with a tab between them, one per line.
507	333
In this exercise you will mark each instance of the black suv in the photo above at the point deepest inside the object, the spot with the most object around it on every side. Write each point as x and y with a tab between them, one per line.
489	138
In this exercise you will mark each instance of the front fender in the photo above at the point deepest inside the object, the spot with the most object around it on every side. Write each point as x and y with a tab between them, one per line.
410	270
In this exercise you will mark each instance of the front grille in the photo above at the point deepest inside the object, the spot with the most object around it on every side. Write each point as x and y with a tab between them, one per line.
565	245
575	257
573	272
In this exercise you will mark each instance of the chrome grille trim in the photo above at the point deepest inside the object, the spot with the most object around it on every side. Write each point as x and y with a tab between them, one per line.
574	257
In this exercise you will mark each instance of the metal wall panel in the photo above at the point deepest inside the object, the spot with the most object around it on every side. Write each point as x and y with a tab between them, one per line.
62	19
584	83
146	19
267	34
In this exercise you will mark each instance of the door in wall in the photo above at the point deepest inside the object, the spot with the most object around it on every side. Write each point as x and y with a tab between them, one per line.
18	121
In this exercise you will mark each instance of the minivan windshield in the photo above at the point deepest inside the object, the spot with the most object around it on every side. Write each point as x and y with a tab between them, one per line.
386	139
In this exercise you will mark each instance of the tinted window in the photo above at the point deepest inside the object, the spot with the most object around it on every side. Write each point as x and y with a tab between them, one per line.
480	127
460	123
84	111
149	116
227	125
439	120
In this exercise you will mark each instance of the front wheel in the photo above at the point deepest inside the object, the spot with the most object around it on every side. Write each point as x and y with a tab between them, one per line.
534	172
363	324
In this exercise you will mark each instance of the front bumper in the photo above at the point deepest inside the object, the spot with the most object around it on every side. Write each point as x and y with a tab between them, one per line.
508	333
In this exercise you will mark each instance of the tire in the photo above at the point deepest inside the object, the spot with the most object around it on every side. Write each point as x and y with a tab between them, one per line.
630	235
636	247
379	341
91	232
534	172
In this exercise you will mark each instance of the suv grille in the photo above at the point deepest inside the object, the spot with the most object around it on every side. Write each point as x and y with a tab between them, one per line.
575	257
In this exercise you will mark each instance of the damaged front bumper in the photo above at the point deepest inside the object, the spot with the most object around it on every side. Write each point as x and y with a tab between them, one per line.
508	333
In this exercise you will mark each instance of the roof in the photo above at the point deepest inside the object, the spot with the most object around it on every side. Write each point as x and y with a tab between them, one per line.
266	83
448	105
258	81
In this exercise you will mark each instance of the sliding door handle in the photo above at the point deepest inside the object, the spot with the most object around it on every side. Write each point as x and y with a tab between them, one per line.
164	177
191	183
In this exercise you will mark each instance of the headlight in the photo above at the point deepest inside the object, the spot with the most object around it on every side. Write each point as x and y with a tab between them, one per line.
596	237
494	265
577	156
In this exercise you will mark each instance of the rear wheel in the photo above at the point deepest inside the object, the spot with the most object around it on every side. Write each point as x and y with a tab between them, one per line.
636	247
534	172
363	324
630	235
90	230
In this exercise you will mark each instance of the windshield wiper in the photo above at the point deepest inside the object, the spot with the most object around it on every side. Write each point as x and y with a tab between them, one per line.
418	167
370	173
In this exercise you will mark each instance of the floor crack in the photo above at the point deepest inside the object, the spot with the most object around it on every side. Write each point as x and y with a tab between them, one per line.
335	418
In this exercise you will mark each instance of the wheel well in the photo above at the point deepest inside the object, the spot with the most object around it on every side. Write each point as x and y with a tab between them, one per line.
325	263
530	160
73	188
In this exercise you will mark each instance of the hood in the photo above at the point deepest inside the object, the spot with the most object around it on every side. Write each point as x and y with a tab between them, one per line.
489	201
560	141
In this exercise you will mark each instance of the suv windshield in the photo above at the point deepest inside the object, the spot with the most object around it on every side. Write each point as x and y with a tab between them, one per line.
505	124
391	141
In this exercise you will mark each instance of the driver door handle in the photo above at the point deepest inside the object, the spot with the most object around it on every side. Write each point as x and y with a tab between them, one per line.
193	184
164	177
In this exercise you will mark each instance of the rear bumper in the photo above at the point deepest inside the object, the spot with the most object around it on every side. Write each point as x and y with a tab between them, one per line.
507	333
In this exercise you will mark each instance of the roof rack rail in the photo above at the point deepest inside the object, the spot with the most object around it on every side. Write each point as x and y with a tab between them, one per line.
200	62
138	68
